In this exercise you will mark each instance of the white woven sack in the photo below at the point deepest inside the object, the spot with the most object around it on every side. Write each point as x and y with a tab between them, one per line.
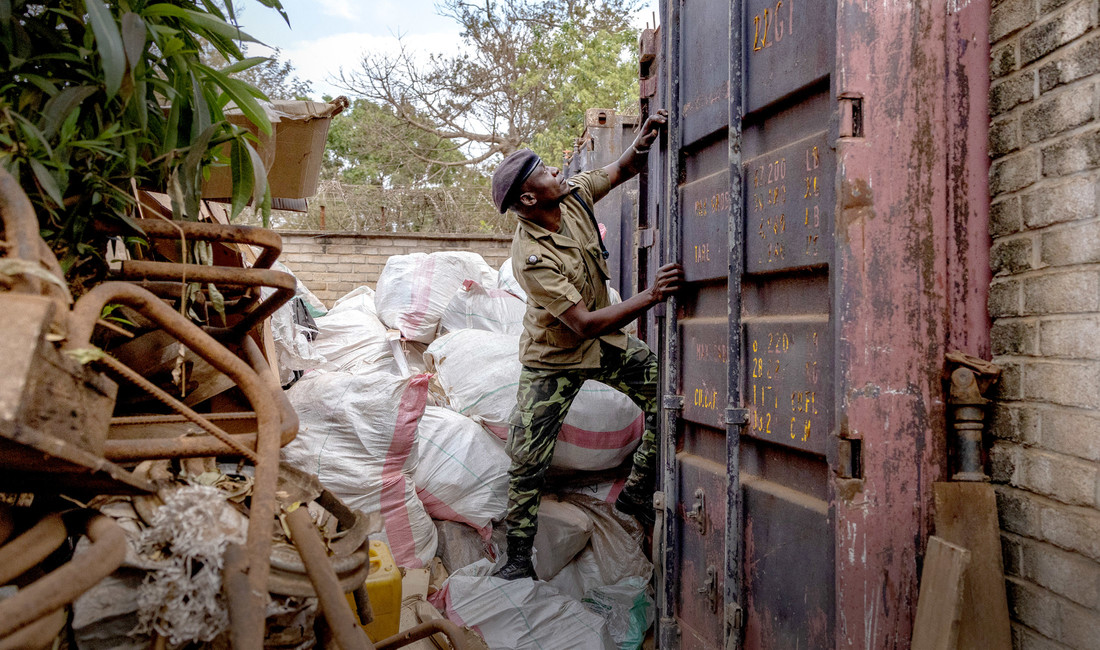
413	290
519	614
564	531
350	336
357	433
478	372
506	280
476	307
361	297
462	474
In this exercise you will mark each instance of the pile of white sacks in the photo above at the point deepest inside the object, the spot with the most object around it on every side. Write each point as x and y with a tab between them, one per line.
404	407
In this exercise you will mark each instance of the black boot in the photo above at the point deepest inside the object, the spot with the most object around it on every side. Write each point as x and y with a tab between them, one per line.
519	561
640	509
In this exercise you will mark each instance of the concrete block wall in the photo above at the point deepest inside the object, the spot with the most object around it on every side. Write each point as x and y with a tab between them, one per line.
1044	140
332	264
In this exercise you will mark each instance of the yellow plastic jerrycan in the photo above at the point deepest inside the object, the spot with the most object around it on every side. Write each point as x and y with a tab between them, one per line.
384	590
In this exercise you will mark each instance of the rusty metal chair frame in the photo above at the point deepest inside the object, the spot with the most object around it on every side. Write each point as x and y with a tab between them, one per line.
31	617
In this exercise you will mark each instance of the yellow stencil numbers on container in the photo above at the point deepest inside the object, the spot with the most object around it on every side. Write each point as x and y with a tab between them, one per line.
384	590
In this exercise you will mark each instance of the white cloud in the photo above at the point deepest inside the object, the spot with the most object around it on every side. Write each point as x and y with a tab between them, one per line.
338	9
319	61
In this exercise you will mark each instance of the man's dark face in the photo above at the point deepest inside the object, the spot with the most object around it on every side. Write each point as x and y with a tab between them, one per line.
545	185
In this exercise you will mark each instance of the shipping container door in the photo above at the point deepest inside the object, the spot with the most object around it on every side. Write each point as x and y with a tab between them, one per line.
748	549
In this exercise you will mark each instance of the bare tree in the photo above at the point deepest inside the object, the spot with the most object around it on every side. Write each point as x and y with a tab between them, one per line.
524	64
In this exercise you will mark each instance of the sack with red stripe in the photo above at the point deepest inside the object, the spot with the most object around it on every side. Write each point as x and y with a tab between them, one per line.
462	473
481	308
357	433
414	290
477	374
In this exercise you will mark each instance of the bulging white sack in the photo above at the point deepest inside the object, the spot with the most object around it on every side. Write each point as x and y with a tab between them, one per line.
413	290
477	307
478	374
506	280
350	336
462	473
564	530
519	614
357	433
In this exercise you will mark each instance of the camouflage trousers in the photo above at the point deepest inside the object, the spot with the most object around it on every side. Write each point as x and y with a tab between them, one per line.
544	398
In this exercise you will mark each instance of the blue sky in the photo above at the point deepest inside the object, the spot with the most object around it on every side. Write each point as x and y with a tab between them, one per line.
327	35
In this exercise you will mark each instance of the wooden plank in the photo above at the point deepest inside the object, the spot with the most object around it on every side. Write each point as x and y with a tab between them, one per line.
966	515
940	602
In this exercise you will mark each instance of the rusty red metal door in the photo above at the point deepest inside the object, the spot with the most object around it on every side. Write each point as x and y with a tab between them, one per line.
796	471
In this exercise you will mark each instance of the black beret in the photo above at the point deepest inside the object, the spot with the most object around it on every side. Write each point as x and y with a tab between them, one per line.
509	176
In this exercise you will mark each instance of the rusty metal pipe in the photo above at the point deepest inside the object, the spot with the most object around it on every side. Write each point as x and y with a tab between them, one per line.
424	630
283	283
268	423
238	595
30	548
37	634
66	583
181	408
255	358
297	584
362	603
284	559
268	240
222	275
331	596
121	451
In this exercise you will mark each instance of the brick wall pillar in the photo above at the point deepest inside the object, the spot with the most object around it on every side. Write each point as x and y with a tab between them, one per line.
1045	303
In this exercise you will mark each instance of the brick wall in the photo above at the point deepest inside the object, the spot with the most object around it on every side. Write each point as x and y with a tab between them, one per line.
332	264
1045	303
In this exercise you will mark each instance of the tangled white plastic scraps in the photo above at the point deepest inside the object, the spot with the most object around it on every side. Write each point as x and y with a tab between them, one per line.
181	599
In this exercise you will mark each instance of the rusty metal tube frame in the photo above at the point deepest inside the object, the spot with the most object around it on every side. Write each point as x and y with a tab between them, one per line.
178	406
66	583
30	548
329	592
283	283
268	240
424	630
256	391
286	583
201	446
39	634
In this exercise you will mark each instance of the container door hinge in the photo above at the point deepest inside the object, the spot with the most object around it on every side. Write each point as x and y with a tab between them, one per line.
851	116
698	512
643	238
737	416
673	402
670	633
849	458
710	587
735	620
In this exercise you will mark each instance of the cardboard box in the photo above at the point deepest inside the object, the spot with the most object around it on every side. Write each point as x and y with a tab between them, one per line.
300	146
220	183
293	153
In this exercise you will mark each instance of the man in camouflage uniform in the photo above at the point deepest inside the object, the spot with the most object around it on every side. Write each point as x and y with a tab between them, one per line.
571	331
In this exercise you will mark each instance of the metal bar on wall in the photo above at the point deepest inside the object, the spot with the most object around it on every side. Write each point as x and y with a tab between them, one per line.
736	414
667	627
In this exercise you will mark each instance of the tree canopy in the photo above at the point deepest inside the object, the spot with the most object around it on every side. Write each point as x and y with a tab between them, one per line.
524	76
369	145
